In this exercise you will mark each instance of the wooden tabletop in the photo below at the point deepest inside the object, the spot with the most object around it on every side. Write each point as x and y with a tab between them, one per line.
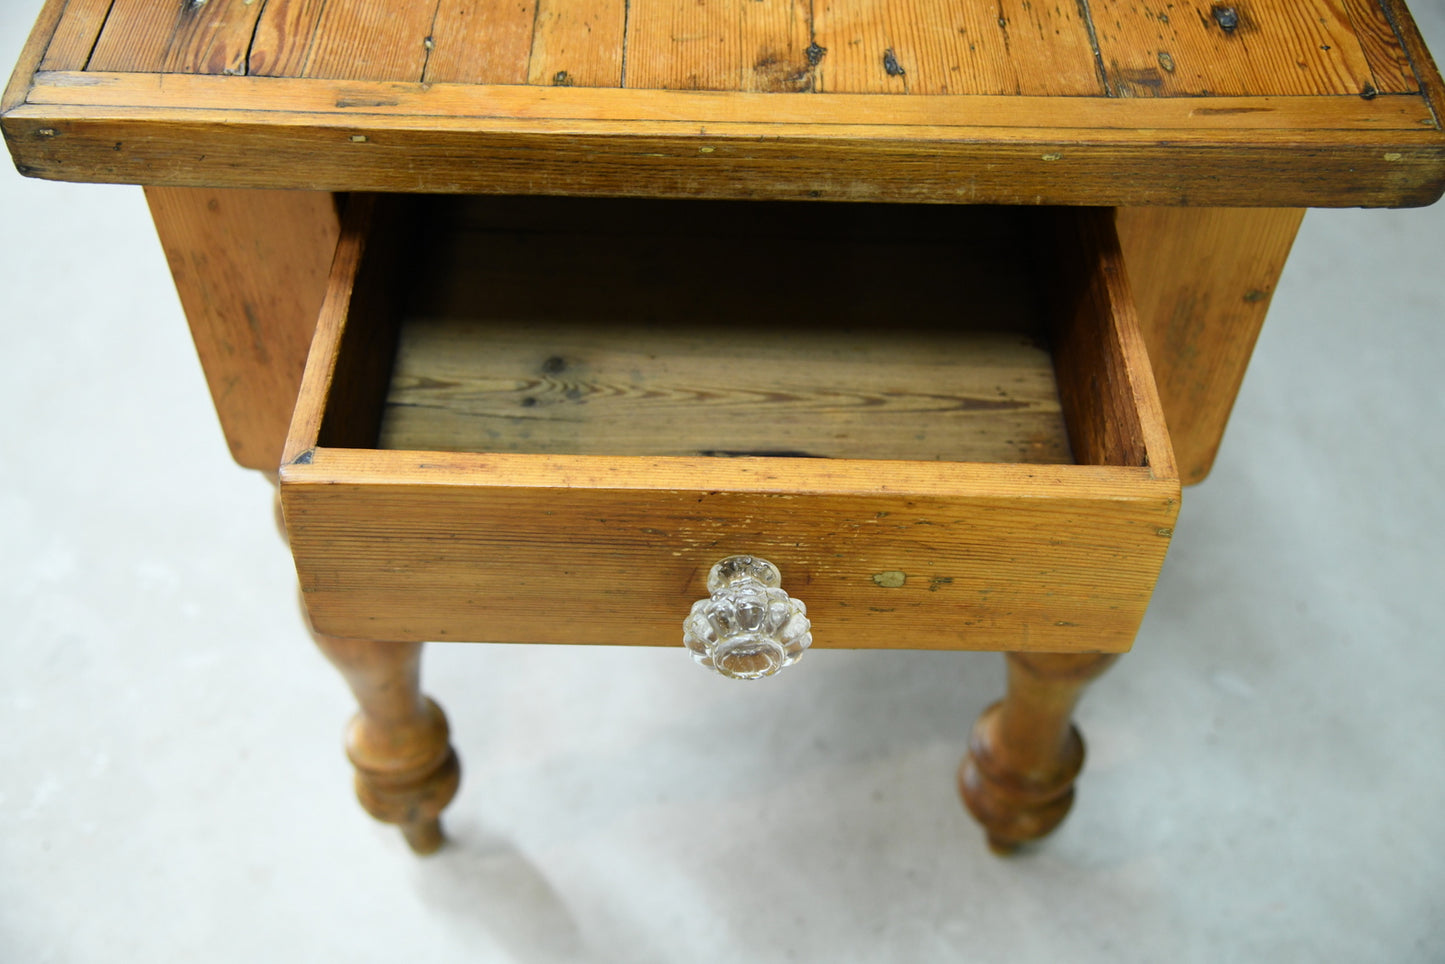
1237	102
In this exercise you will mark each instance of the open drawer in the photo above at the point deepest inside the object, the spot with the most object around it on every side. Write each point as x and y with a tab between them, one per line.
545	419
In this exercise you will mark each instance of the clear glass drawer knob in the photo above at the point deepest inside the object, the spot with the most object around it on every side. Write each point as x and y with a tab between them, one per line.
748	628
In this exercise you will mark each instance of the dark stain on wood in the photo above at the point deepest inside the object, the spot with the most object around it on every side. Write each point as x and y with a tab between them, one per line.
1226	16
776	73
1135	80
759	454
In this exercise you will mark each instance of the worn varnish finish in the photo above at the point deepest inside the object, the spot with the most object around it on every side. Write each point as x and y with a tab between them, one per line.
1202	280
1152	48
406	769
251	269
78	27
471	545
1020	106
908	46
1025	752
189	38
578	45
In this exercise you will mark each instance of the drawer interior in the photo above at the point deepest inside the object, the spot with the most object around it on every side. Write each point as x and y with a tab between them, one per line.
544	420
621	327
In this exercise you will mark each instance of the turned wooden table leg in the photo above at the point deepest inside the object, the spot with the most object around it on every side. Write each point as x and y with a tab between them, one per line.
1024	753
406	770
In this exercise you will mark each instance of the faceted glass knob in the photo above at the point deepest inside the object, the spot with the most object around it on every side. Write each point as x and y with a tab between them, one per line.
748	628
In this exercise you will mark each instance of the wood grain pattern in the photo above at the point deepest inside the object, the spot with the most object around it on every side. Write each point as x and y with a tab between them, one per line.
1422	64
1106	384
578	45
1025	753
177	36
370	40
521	143
1384	50
1202	281
594	327
19	84
1151	49
999	556
283	38
446	105
584	389
760	45
480	41
250	268
75	35
406	769
903	46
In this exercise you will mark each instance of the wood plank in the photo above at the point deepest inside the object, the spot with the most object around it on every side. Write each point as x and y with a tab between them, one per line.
1421	62
908	46
31	54
250	268
1106	383
760	45
370	40
578	45
1195	48
1385	52
283	37
748	160
177	36
481	41
463	384
1202	280
464	549
75	34
445	105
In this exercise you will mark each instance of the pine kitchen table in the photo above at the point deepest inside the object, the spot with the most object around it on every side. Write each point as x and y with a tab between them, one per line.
576	320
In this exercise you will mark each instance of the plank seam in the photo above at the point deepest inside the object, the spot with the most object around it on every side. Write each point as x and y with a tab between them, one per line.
626	26
532	47
1087	15
311	40
1426	94
90	54
251	44
429	42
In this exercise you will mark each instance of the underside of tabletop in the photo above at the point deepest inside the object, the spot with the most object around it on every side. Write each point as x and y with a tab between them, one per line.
1257	102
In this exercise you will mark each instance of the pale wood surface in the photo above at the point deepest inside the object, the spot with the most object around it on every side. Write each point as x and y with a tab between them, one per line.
251	269
208	38
75	34
682	329
1202	281
406	769
45	31
743	100
1024	752
437	545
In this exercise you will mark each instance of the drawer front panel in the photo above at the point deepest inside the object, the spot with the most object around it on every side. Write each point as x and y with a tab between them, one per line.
1069	570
